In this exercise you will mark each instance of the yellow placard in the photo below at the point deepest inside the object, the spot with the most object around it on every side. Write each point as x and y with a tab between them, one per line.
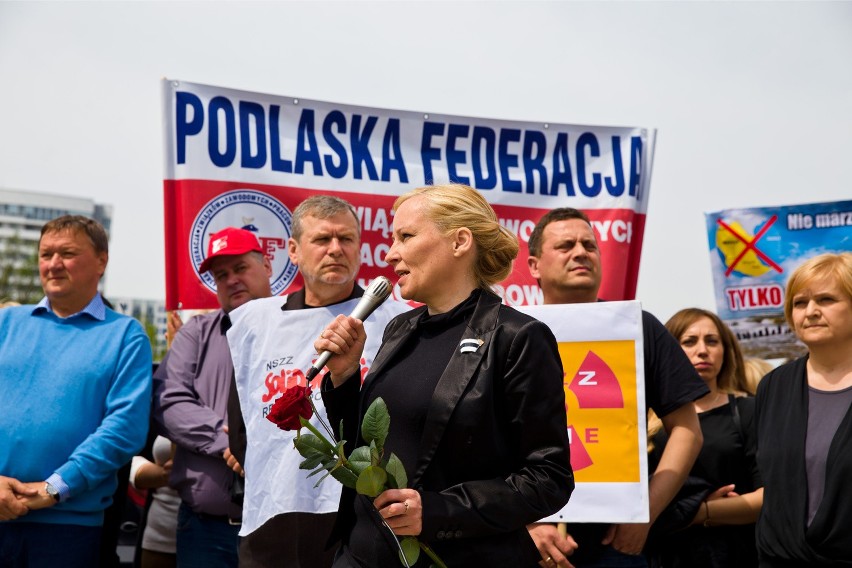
600	397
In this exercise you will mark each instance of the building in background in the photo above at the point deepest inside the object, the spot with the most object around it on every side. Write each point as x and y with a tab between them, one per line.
152	315
22	215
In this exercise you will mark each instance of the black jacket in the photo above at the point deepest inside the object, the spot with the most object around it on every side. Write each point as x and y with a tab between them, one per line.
782	419
493	456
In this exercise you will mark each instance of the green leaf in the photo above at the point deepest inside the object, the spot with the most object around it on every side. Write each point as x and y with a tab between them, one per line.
327	465
376	423
321	479
360	459
397	479
411	550
310	462
371	481
316	471
375	455
309	445
346	477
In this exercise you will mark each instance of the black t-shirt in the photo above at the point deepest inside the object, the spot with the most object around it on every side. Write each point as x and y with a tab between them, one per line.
729	455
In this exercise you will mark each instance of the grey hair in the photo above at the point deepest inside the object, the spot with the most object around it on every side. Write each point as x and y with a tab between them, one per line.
321	207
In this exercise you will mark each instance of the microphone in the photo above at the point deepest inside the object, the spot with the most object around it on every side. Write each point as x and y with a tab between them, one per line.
376	293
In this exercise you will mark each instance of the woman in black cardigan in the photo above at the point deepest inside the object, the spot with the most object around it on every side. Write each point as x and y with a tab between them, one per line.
804	425
474	390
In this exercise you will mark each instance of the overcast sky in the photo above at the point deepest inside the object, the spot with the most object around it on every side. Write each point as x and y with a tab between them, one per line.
752	102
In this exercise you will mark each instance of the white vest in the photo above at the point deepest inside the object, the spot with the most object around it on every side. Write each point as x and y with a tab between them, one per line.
272	349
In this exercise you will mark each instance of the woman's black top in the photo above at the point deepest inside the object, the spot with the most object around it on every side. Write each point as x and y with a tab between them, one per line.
729	455
406	386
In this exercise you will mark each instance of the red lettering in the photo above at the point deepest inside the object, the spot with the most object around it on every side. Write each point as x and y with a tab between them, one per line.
270	245
295	378
591	435
754	297
277	384
271	383
775	295
732	299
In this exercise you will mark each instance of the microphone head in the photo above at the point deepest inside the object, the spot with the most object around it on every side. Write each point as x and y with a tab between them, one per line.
380	288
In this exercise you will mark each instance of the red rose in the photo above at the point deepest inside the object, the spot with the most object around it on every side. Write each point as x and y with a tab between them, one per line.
288	407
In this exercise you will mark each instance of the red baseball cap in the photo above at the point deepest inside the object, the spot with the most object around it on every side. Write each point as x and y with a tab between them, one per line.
229	241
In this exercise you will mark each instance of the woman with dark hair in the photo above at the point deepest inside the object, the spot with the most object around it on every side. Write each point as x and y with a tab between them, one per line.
711	521
474	391
804	425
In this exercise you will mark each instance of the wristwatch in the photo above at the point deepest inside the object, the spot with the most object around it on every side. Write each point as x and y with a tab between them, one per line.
52	491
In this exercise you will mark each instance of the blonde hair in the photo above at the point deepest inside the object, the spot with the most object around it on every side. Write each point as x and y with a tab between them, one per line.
454	206
837	267
755	369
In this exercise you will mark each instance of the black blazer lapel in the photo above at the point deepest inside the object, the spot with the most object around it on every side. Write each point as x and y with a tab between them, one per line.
455	378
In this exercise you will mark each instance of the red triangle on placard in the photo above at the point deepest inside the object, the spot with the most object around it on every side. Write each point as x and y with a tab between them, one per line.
580	458
595	385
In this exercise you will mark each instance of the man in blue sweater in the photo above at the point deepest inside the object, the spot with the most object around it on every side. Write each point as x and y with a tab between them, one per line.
75	383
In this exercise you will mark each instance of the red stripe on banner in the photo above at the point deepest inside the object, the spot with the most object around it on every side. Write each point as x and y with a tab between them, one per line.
194	209
619	233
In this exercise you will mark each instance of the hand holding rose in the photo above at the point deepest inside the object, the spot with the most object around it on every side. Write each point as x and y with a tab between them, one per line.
402	510
367	470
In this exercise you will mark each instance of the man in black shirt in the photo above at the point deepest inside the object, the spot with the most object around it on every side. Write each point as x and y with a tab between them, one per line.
565	259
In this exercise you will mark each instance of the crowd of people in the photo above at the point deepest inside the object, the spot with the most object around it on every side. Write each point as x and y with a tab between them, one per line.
747	464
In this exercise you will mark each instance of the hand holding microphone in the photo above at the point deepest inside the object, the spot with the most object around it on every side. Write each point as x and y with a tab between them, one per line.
344	337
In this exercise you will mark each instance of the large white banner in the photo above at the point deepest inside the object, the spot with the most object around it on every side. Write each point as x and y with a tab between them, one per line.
601	348
272	349
244	159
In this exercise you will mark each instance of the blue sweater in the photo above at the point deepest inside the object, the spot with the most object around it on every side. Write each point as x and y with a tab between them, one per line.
74	400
